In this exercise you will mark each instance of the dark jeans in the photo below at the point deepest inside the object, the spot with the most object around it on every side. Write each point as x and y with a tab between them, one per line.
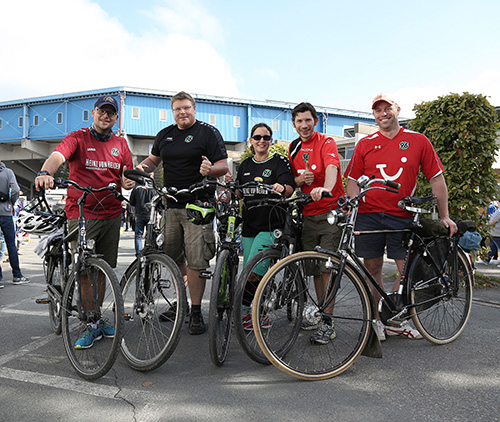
9	233
140	223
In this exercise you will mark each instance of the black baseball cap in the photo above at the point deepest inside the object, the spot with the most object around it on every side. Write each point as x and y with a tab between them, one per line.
106	99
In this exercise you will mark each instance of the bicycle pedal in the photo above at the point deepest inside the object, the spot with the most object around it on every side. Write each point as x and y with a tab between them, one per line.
206	274
42	301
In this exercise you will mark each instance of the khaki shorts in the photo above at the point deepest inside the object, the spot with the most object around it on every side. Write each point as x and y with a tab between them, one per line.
316	231
106	234
185	241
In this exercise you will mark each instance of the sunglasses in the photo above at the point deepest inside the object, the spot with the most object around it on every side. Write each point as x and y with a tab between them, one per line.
259	137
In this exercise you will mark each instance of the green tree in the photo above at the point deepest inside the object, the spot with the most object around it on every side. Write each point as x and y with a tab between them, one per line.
462	129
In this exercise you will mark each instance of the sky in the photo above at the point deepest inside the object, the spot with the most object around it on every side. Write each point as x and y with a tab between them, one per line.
331	53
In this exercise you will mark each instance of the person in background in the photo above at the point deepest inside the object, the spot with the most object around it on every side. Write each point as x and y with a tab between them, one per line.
139	198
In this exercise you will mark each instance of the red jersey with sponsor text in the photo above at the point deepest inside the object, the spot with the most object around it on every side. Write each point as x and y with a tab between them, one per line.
97	164
397	159
320	151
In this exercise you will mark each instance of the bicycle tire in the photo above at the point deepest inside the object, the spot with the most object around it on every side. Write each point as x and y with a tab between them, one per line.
284	344
445	319
221	307
54	277
153	323
95	361
244	291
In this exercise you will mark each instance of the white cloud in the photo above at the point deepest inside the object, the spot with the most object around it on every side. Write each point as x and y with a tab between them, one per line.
485	83
60	46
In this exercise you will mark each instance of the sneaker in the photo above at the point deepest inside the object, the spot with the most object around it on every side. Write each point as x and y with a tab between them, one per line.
325	333
380	331
494	262
106	328
196	324
405	330
248	324
308	325
21	280
171	312
88	336
1	286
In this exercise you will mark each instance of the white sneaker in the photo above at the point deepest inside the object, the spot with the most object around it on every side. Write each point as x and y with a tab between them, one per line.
380	331
494	262
405	330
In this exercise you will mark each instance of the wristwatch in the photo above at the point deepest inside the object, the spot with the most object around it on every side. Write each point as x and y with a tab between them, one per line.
43	173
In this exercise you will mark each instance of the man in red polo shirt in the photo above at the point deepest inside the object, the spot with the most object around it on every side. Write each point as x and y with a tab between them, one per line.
397	154
316	166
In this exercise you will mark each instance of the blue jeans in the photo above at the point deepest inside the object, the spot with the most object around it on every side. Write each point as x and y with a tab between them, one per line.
140	223
2	246
494	248
9	233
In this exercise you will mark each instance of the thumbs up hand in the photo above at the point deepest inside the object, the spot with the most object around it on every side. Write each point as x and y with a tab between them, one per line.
308	175
206	166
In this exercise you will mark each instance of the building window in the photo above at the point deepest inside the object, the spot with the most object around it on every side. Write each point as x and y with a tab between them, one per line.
1	124
276	125
20	122
59	118
211	119
36	118
236	121
85	116
135	113
163	115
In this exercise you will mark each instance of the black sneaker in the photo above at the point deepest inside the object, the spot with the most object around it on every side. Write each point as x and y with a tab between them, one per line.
196	324
171	312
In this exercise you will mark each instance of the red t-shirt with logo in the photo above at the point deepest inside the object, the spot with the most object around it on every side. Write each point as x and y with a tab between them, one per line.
397	159
320	151
97	164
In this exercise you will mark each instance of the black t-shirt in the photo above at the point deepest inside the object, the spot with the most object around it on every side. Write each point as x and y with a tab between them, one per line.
275	169
182	151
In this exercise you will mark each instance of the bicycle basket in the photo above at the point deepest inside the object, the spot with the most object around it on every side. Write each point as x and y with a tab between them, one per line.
425	281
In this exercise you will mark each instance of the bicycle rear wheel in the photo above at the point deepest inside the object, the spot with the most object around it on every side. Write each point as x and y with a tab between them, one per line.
103	319
248	282
290	285
154	311
441	319
221	307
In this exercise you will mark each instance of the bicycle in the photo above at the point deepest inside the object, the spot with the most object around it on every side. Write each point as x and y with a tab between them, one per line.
287	242
435	292
153	291
83	290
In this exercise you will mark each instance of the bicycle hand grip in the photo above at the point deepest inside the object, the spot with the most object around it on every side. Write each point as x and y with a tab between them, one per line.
326	194
392	190
392	184
136	175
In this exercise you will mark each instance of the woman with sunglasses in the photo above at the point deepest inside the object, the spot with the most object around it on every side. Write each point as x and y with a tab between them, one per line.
259	222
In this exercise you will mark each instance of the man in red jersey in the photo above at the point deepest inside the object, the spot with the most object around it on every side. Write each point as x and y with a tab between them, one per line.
397	154
316	166
96	157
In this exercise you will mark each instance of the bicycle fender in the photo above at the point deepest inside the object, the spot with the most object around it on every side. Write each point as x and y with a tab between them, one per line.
373	349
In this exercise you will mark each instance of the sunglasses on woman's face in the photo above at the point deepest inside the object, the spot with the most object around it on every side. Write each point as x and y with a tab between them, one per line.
259	137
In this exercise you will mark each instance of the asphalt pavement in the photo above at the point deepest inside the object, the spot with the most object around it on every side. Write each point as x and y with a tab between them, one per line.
414	381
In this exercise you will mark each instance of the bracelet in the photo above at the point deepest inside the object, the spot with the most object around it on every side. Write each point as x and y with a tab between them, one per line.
43	173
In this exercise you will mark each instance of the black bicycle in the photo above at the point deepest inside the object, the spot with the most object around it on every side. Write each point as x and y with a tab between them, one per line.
287	242
84	296
153	291
436	293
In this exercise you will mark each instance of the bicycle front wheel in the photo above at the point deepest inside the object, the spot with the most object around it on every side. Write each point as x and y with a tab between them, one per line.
288	290
444	310
92	338
155	309
221	307
248	282
54	277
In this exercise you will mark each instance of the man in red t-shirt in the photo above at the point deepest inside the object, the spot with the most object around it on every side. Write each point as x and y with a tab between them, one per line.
96	157
316	166
397	154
